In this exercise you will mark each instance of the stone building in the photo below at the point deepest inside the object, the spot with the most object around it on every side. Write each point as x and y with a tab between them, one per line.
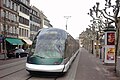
9	24
24	21
35	21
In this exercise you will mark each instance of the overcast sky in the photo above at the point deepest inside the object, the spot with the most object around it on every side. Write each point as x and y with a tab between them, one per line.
55	10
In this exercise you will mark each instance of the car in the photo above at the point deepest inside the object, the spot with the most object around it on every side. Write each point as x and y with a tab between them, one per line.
20	53
10	53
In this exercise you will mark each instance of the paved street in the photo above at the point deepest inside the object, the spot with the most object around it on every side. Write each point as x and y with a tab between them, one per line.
85	67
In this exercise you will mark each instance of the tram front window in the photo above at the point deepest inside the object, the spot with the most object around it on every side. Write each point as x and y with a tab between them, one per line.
49	45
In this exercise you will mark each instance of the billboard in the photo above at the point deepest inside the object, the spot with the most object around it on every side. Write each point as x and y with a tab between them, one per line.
110	55
111	38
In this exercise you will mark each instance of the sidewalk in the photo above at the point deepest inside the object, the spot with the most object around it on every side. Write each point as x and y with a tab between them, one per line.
91	67
110	70
118	67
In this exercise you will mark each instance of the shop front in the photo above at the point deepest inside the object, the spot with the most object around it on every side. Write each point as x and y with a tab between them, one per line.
11	45
27	43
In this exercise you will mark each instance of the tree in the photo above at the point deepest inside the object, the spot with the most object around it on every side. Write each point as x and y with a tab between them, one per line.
110	18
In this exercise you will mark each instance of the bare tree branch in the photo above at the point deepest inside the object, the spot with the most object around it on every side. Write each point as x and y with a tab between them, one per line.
105	16
116	14
107	13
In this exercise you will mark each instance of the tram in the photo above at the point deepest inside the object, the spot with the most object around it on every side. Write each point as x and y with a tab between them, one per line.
52	50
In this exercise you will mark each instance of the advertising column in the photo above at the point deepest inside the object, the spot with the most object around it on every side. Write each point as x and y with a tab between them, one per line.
109	45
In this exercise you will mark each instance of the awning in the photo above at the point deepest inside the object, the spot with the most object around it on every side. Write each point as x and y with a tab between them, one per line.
14	41
28	41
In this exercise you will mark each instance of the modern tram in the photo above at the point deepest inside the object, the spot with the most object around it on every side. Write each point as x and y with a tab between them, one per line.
52	50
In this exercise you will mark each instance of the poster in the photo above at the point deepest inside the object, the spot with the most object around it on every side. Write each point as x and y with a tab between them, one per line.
110	54
111	38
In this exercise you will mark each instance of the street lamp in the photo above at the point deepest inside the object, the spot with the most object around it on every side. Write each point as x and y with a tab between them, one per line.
66	17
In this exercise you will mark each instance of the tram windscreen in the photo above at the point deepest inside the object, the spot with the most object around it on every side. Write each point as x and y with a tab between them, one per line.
49	44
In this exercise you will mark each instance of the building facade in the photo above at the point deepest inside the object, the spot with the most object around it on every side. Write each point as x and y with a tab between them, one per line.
9	24
19	22
45	23
35	21
9	18
24	21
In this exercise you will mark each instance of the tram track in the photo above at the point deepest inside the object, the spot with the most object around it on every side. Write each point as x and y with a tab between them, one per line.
31	77
10	66
2	67
11	69
11	73
15	68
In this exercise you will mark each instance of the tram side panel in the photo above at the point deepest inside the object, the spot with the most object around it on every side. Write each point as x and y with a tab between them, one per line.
70	48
